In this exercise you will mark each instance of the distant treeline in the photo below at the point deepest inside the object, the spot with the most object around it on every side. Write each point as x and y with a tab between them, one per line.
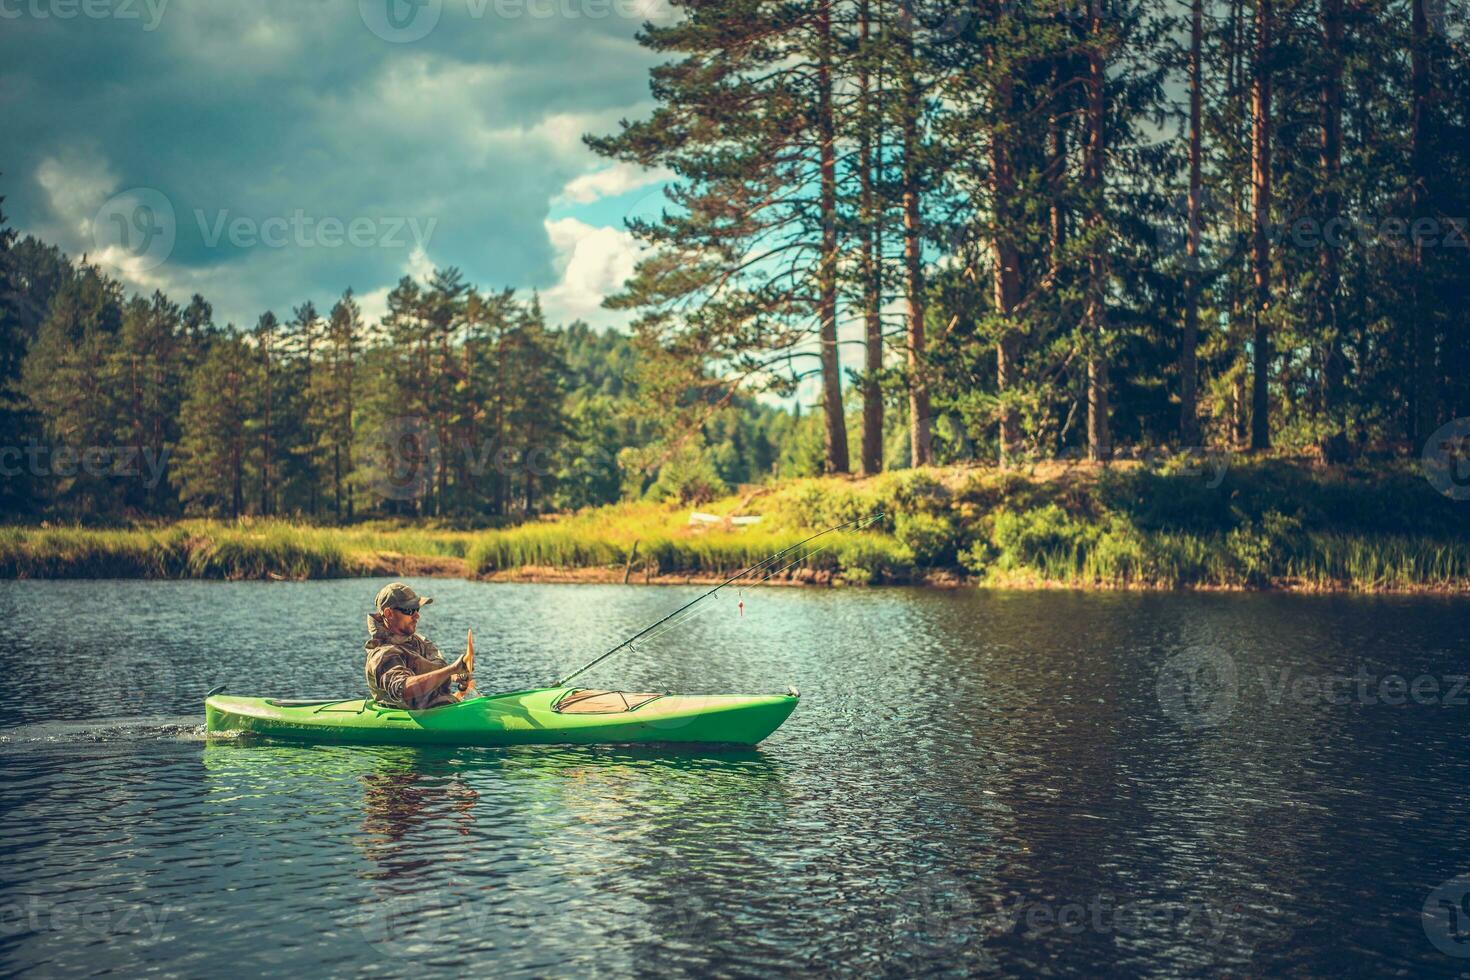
459	404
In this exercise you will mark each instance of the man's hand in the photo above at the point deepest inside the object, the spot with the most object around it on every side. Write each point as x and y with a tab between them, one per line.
460	672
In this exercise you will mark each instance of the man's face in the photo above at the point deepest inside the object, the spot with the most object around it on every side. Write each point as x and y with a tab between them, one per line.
400	621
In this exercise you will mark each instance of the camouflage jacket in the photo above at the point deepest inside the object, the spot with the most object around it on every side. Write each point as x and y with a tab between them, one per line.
392	658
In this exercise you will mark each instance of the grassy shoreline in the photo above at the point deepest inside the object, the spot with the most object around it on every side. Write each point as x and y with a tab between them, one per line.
1275	524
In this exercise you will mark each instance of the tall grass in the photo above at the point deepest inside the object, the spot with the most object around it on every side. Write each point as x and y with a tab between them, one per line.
193	549
1251	525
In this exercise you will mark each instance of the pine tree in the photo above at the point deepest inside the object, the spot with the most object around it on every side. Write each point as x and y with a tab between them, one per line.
741	285
266	395
65	379
145	372
331	400
211	469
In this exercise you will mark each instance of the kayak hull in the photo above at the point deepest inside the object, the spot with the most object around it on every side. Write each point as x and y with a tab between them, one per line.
519	718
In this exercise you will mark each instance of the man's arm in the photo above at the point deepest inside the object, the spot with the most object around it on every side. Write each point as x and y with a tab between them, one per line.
420	688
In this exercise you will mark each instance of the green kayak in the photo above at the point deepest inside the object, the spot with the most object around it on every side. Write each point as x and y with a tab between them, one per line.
549	715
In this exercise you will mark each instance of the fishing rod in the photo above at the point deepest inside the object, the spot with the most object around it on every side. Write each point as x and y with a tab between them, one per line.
859	524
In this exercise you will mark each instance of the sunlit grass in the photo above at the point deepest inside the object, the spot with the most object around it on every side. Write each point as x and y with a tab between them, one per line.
1258	525
205	549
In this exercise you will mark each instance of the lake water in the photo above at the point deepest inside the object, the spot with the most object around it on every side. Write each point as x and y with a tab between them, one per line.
1015	783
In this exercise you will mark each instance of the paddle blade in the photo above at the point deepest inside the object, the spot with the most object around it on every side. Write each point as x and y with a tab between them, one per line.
469	661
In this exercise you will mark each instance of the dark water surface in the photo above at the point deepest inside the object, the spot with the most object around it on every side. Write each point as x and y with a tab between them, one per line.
1049	783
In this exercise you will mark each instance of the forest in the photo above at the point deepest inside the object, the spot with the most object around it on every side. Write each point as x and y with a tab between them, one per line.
993	233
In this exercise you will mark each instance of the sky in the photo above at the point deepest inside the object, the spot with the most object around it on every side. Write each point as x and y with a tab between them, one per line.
267	152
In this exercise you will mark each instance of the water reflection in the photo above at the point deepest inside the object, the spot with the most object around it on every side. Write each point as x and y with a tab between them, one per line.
650	844
402	799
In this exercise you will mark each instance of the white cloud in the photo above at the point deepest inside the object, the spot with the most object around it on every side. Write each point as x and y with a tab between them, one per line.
593	262
374	305
612	181
76	186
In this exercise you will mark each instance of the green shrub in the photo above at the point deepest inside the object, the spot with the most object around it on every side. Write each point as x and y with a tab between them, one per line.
933	541
1045	540
871	558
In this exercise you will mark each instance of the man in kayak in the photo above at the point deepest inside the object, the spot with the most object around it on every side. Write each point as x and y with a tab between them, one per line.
404	670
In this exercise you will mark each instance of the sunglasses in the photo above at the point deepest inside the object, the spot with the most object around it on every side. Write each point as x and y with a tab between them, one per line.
406	612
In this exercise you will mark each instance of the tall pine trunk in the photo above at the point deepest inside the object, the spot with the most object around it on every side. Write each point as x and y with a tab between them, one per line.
1007	280
1061	76
872	246
1260	229
267	487
1421	412
836	434
1188	360
1333	443
921	443
1099	443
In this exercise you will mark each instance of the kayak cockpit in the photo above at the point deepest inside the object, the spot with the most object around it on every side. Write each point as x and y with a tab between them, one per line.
586	701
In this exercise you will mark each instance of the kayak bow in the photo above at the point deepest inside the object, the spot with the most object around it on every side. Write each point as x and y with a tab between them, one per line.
540	717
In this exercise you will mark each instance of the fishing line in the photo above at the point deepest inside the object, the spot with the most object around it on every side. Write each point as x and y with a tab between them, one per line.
713	606
858	524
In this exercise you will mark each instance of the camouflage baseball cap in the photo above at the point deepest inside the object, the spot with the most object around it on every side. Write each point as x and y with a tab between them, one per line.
399	596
